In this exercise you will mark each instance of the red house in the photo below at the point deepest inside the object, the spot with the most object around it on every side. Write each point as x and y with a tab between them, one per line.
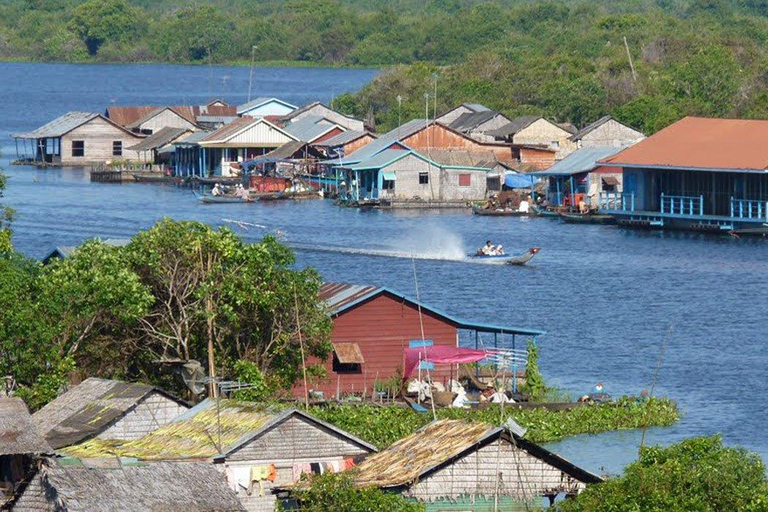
372	326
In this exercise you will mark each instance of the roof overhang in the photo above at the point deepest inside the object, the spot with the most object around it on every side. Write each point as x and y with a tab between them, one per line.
682	168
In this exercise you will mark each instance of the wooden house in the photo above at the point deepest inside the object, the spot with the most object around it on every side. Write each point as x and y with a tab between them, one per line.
579	177
536	131
148	119
362	355
243	440
101	485
21	447
465	108
321	110
344	143
154	148
223	151
79	138
470	466
163	117
262	107
313	129
110	409
606	132
698	173
478	124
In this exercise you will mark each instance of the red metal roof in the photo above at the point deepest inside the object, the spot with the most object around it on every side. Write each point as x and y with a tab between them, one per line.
125	116
339	295
701	143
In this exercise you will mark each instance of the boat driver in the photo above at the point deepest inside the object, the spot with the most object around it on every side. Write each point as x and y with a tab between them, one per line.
487	249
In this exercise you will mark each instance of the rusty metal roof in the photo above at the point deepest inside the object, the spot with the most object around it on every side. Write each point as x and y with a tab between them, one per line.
338	296
698	143
129	116
348	353
159	139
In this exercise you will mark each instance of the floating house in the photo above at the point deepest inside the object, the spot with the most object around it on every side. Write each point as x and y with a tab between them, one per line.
114	484
158	148
465	108
699	173
78	138
580	177
606	132
470	466
362	355
321	110
536	131
477	124
262	107
257	448
223	151
344	143
313	129
188	155
21	447
149	119
107	409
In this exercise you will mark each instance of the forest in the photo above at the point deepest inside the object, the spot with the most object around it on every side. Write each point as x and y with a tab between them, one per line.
646	62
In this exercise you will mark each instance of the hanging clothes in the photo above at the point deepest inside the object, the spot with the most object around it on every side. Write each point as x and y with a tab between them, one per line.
241	478
259	474
349	463
299	469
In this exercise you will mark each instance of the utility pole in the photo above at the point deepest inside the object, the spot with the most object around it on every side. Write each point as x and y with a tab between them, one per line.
399	108
434	98
426	114
629	56
250	78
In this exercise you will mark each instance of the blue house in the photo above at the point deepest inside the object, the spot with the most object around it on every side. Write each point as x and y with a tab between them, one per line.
697	174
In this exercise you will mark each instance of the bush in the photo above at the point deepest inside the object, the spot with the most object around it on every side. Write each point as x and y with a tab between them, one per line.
699	474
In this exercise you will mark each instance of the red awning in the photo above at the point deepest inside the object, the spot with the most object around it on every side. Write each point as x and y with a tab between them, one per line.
440	355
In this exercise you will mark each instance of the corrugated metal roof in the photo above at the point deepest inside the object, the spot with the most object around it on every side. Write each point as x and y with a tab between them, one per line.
59	126
471	120
159	139
338	296
348	353
343	138
462	157
310	128
380	160
229	130
514	126
287	150
477	107
192	139
262	101
216	119
581	160
129	116
385	141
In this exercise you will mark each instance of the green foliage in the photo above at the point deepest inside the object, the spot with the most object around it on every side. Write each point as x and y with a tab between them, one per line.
337	492
699	474
383	426
47	385
247	372
98	21
6	216
534	381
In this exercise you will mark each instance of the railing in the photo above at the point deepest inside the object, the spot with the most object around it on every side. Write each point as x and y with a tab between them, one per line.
617	201
682	205
749	209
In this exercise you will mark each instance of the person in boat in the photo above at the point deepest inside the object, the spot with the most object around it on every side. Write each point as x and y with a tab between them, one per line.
217	190
498	250
487	249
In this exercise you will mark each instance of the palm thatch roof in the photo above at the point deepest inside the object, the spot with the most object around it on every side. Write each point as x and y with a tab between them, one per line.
168	487
89	408
18	435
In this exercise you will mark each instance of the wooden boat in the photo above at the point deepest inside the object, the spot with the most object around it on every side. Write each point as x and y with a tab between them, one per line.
509	259
737	233
491	212
210	199
587	218
221	180
543	212
156	178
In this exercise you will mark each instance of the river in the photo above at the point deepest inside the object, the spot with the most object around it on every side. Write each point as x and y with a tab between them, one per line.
606	297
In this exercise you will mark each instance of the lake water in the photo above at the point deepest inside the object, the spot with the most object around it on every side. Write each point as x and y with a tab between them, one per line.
606	297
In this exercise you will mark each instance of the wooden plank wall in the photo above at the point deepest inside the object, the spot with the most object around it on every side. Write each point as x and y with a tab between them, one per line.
99	135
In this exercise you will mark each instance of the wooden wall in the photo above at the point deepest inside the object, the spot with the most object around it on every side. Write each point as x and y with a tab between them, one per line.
477	474
439	137
99	135
611	134
546	133
150	414
166	119
382	328
539	158
357	144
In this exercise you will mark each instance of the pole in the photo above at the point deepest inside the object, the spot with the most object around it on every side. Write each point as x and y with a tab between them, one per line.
301	347
434	98
250	78
426	113
399	108
629	56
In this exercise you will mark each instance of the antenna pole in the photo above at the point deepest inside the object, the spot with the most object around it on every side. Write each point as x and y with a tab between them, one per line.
667	337
301	347
629	56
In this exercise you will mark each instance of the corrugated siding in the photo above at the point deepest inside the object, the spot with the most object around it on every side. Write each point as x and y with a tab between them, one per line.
612	134
259	135
149	415
382	328
322	111
522	476
331	134
294	441
439	137
166	119
357	144
33	499
98	135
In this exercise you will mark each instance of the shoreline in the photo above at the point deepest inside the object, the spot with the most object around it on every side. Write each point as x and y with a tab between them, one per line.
231	64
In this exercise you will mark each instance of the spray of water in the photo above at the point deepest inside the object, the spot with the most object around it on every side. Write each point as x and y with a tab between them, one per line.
432	242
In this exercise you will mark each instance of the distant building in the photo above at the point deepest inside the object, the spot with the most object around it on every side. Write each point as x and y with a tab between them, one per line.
537	131
462	465
118	484
465	108
344	143
321	110
606	132
258	448
313	129
107	409
478	124
261	107
362	355
163	117
149	119
698	173
79	138
158	148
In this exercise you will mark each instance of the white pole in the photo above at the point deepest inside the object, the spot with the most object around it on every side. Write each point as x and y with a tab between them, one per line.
250	78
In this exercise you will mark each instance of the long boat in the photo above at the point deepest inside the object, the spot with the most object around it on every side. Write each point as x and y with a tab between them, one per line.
543	212
587	218
509	259
211	199
158	178
490	212
221	180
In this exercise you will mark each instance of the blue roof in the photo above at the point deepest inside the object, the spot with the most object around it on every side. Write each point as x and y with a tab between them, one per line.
309	128
581	160
383	159
383	142
516	180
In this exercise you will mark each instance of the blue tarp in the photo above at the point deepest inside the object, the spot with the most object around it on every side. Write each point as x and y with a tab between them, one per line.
512	180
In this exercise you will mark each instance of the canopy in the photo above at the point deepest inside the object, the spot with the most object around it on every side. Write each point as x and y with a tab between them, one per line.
390	175
440	355
513	180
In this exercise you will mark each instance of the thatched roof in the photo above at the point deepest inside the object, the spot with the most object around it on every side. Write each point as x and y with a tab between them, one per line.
166	487
438	444
89	408
195	434
18	435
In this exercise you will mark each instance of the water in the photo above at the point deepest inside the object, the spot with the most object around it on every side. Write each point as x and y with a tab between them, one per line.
605	296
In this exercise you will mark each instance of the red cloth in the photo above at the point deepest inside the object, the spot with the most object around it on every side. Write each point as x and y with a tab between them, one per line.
440	355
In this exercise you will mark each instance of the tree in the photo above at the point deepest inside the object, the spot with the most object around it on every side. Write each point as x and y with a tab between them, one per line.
699	474
6	216
337	492
195	33
98	21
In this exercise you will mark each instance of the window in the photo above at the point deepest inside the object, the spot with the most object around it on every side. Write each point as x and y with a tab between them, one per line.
389	185
465	179
117	148
555	144
423	178
339	367
78	148
146	131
